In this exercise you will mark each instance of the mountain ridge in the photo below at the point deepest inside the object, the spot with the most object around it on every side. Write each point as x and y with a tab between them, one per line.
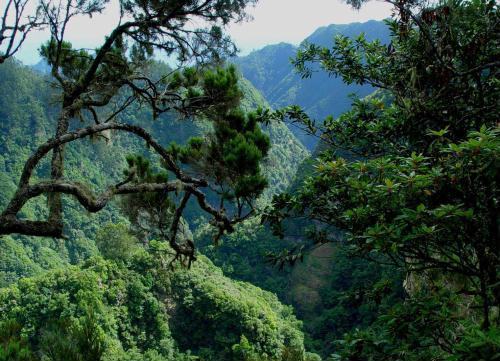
270	71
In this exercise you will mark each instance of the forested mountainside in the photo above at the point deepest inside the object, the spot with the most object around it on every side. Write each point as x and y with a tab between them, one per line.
270	70
28	114
162	219
138	313
241	255
134	309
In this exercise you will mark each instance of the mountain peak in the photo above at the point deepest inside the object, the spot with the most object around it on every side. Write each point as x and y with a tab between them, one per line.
270	71
373	29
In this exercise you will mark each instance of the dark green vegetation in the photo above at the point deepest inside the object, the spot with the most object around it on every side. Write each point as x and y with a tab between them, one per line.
410	176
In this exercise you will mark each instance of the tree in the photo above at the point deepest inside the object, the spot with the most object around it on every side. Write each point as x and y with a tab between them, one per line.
115	242
17	22
97	86
138	310
410	174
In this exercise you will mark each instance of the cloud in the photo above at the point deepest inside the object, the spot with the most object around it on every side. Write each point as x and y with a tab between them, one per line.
273	21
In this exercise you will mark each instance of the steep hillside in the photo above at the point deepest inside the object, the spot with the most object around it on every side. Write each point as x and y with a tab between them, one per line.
267	67
139	310
270	71
133	307
27	113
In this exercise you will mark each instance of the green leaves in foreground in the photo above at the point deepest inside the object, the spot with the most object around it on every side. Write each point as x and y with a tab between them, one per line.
409	176
425	213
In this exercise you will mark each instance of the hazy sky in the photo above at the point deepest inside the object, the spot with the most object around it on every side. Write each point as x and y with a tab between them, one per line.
273	21
292	21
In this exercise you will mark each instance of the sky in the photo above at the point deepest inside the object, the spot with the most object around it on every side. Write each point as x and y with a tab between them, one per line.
274	21
291	21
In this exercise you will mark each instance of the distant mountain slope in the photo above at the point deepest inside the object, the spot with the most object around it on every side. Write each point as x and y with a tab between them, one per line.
270	71
267	67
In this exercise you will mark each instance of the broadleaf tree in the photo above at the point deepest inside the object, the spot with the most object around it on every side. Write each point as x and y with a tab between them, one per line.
410	174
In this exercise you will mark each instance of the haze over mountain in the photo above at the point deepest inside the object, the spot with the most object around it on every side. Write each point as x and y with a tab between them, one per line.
270	71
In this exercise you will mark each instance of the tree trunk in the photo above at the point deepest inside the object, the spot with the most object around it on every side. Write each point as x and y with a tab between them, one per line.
57	169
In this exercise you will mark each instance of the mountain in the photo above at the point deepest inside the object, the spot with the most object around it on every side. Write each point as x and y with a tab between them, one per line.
270	71
41	67
137	309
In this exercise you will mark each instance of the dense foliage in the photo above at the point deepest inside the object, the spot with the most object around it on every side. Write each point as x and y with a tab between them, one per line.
415	181
136	309
403	186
